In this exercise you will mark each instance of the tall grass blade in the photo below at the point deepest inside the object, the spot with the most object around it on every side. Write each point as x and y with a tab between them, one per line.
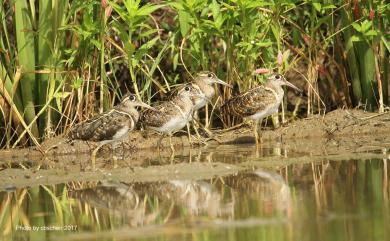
44	55
367	73
26	58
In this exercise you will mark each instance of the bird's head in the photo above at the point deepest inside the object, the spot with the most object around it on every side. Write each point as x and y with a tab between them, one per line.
131	100
279	79
210	78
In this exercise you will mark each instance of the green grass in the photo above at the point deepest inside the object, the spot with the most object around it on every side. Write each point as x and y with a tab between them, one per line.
63	61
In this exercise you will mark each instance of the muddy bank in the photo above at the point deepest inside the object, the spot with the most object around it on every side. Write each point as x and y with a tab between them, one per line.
337	124
197	163
193	165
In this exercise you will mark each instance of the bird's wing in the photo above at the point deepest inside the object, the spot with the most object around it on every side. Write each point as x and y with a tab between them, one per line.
102	127
157	117
250	102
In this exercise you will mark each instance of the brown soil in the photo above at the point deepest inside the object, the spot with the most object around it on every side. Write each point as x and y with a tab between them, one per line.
339	135
337	123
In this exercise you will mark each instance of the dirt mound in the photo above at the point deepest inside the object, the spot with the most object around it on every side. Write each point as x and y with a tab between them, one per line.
334	124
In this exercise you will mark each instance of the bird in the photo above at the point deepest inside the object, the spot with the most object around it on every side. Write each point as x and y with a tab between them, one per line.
204	80
110	126
174	114
259	102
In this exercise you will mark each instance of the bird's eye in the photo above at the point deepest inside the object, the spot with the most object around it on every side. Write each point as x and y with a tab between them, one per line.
132	98
210	75
187	88
277	76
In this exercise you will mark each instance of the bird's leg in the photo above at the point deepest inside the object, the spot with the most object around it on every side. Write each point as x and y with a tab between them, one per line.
206	124
189	134
208	132
170	143
255	131
172	157
93	155
196	125
195	120
114	157
196	128
113	146
159	144
258	130
206	117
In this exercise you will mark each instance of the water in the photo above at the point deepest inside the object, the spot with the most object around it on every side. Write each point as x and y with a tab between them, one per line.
279	198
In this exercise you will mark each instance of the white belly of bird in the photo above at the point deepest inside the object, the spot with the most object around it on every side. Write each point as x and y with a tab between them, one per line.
200	104
121	133
172	125
264	113
271	109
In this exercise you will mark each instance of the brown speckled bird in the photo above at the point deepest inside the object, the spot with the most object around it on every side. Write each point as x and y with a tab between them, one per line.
172	115
112	125
259	102
204	80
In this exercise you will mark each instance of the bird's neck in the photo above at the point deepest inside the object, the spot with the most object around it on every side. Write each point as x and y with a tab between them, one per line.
277	90
131	111
206	88
184	103
276	87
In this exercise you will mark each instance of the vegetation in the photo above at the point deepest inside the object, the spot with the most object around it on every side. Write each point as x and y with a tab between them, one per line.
63	61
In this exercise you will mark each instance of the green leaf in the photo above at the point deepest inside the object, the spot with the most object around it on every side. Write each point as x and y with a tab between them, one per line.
59	96
148	9
145	47
184	21
264	44
366	25
129	48
356	38
317	6
371	33
175	61
329	6
357	27
62	95
77	83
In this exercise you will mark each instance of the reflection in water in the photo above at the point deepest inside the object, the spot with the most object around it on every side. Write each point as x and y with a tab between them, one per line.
340	200
269	187
81	162
185	199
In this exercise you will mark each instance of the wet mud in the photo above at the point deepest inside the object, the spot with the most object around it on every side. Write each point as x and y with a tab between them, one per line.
339	135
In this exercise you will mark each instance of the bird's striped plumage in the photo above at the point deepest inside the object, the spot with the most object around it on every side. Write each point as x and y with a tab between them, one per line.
258	102
255	103
174	114
111	125
204	81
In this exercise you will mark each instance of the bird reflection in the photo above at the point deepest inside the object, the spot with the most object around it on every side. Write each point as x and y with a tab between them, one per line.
261	191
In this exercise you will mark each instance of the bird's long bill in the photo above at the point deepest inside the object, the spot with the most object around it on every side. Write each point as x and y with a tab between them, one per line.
219	81
142	104
292	86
